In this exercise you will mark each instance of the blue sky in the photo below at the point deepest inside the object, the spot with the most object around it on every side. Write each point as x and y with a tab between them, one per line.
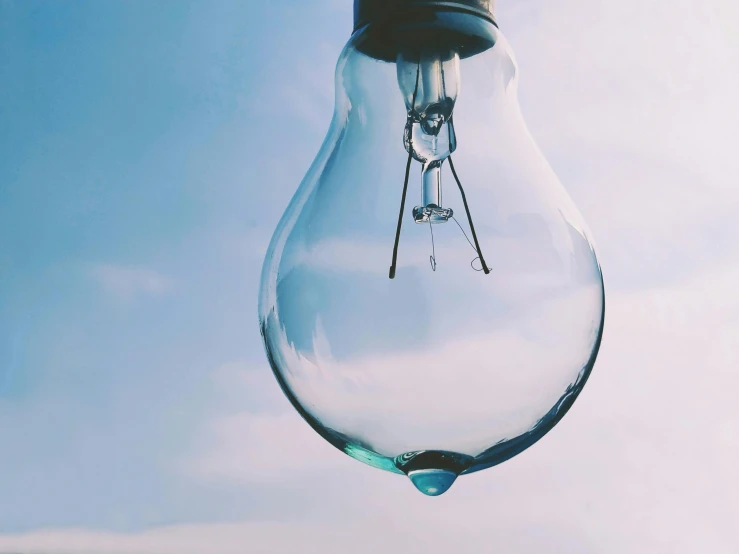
135	205
143	170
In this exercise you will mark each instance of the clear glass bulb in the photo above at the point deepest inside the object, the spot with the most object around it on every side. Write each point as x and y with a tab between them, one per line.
444	369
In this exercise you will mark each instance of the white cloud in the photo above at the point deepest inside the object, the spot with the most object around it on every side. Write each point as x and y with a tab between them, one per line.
127	283
264	443
655	75
644	463
373	533
633	102
223	539
260	448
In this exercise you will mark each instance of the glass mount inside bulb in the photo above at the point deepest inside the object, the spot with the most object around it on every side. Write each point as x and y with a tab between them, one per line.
429	82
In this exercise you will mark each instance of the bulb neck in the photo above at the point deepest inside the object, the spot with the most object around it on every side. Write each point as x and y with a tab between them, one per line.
389	27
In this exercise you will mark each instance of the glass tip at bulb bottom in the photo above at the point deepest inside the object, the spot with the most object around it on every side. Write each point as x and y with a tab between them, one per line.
432	482
433	472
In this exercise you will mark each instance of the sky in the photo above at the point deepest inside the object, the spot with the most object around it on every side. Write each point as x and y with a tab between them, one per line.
143	170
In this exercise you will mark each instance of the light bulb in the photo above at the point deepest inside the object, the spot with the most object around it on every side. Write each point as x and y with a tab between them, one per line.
485	329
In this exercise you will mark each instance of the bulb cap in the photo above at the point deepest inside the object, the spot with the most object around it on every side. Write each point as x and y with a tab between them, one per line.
386	11
386	28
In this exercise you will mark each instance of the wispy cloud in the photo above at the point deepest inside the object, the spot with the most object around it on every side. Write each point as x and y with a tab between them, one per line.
373	533
259	448
309	95
269	442
610	477
127	283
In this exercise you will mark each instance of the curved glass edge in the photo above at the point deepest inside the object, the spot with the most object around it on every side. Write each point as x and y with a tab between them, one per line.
506	450
495	455
289	217
336	439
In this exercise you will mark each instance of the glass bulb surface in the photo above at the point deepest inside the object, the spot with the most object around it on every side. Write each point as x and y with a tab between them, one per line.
444	369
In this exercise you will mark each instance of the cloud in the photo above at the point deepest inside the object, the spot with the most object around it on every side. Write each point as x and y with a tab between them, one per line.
655	78
644	463
632	104
256	436
629	75
374	533
610	478
262	448
127	283
309	94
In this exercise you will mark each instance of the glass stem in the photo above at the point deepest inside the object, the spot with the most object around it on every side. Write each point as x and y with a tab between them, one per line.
432	184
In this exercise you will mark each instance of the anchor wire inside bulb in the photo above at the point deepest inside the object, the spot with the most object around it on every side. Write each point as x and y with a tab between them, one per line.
405	191
469	217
